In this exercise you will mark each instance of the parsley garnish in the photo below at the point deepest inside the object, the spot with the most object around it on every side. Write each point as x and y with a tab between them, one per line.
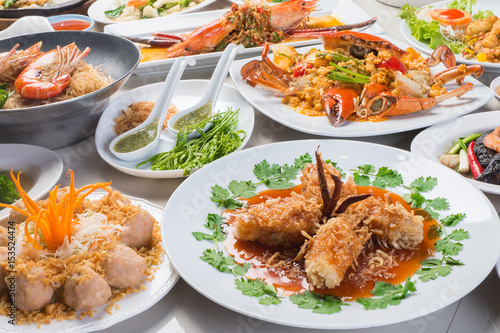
258	288
317	303
273	176
388	294
417	200
384	177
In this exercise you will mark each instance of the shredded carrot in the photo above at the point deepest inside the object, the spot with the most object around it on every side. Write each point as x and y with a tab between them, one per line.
54	222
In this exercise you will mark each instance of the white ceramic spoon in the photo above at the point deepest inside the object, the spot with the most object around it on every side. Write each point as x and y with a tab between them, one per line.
151	128
213	89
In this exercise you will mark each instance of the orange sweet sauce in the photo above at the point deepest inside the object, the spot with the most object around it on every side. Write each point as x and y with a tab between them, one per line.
70	25
287	284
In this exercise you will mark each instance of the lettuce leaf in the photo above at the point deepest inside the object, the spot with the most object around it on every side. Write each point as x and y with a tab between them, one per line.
462	4
426	32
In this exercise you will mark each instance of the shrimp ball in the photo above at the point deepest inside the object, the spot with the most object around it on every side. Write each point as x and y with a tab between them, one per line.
123	267
33	290
4	236
3	271
85	289
138	230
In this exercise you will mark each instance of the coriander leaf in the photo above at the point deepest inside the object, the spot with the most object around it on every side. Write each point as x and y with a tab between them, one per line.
391	177
217	260
439	203
388	294
279	184
262	170
216	237
452	220
219	195
214	221
447	247
453	262
459	235
424	185
268	300
243	189
361	180
383	287
434	232
241	270
306	300
232	204
250	287
379	183
366	168
431	273
301	161
289	172
329	305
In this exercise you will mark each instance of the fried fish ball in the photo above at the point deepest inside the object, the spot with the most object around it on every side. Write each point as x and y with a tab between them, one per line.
33	290
334	249
138	230
85	289
123	267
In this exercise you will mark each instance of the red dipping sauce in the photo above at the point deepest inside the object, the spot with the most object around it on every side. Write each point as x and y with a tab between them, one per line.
70	25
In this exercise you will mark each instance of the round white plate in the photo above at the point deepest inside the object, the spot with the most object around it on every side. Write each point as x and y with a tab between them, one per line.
96	10
189	205
437	140
493	5
129	306
187	94
42	164
269	103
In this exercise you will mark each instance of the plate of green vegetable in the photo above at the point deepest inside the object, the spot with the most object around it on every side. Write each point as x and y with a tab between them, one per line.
195	229
425	34
41	169
441	140
232	126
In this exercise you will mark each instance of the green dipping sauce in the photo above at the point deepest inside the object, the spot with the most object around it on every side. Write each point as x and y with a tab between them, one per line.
137	140
194	117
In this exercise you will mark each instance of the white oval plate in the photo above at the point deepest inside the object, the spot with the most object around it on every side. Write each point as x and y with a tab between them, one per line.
437	140
133	304
189	205
346	10
96	11
269	103
42	164
187	94
493	5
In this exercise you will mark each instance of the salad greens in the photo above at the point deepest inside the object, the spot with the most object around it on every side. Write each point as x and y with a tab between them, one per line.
280	177
429	31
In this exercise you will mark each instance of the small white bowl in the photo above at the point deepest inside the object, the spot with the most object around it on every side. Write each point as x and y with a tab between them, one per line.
494	85
68	17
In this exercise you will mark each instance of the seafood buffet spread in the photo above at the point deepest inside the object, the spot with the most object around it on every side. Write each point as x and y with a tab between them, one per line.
323	243
14	4
358	77
474	35
74	254
31	77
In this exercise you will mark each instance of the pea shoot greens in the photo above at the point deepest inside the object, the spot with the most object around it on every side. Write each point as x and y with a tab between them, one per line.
274	176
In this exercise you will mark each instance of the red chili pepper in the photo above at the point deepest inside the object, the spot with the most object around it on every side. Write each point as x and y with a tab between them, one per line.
474	165
300	68
393	63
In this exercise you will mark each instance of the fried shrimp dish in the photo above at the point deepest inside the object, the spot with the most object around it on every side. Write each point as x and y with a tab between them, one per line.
31	77
328	236
358	77
74	256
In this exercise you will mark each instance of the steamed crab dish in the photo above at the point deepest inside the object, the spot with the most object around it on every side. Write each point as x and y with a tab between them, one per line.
327	233
75	254
357	77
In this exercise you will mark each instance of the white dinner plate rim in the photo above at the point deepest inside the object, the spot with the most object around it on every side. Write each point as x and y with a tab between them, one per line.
472	123
220	296
50	174
143	302
145	29
102	139
288	117
96	11
420	46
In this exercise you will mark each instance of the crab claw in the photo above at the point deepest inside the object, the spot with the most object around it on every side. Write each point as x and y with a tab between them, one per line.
458	73
339	104
442	54
359	44
266	74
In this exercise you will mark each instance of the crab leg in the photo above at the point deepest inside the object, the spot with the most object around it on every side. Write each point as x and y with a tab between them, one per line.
458	73
300	33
